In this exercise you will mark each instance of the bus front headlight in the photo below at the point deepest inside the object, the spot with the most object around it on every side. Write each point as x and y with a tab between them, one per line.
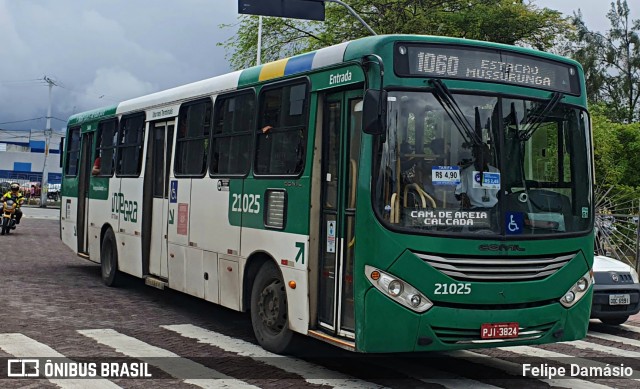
397	289
579	289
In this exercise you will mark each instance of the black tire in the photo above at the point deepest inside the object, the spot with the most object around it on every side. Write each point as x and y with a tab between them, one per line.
5	226
614	321
109	259
269	315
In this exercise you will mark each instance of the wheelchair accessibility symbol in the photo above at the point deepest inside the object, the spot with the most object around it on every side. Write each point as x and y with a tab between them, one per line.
514	222
173	195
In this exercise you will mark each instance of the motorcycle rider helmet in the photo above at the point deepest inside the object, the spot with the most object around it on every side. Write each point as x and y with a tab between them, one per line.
15	187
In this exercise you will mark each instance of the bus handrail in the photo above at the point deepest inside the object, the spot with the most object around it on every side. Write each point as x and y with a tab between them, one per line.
424	196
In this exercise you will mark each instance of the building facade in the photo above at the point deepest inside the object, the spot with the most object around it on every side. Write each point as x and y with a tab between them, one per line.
23	154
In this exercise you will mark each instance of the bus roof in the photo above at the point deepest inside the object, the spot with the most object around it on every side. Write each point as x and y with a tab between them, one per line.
343	52
282	68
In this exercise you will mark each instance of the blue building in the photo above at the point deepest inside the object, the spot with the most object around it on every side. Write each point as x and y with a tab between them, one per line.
22	156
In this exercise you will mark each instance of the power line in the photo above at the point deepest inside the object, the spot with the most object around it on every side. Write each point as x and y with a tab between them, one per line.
22	121
30	120
99	96
22	82
45	81
27	80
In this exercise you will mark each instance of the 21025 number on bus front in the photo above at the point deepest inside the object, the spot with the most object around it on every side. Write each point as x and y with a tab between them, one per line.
452	288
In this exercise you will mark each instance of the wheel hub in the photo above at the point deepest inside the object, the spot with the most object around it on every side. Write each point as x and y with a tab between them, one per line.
271	306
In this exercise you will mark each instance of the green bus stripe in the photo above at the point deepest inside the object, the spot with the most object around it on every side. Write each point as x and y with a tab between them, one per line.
95	114
249	76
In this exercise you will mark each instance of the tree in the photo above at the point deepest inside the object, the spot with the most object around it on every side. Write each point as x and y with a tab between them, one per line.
610	162
503	21
587	48
612	62
616	149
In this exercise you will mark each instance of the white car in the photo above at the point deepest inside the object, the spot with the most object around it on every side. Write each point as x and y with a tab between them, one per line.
616	293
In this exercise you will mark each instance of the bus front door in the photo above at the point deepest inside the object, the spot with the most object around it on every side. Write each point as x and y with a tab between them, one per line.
84	176
156	199
341	154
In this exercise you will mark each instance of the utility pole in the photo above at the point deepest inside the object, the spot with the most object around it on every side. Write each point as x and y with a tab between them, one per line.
44	188
353	13
259	59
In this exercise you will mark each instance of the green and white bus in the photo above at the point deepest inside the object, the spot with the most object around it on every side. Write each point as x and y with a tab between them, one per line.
389	194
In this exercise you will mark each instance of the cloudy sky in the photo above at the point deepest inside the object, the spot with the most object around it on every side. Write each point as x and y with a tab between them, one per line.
100	52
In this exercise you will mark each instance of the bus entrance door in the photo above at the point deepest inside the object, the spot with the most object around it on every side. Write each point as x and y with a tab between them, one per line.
84	175
341	155
156	199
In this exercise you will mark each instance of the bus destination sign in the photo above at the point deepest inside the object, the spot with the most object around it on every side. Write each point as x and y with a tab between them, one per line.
480	64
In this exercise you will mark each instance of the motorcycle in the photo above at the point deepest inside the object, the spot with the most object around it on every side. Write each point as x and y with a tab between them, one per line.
53	195
8	216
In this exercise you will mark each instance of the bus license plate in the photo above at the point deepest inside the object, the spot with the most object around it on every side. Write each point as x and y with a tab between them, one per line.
619	299
499	330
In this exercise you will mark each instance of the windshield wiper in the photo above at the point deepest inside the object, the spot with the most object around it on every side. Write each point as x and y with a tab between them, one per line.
534	121
445	98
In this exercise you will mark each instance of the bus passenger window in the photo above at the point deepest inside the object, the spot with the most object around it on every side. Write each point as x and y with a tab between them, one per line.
73	152
104	161
130	140
282	131
192	142
234	122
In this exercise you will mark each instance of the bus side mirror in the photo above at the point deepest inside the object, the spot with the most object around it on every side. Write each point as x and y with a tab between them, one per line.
374	115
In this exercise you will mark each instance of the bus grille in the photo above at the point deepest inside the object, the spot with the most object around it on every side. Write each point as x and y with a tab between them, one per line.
497	269
463	335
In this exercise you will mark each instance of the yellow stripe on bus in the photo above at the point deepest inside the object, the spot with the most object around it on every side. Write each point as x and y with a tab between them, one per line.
273	69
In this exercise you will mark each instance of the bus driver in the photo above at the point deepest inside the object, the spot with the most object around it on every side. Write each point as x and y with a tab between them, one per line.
477	189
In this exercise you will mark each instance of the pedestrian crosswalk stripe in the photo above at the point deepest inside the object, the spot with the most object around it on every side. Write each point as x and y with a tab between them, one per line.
438	377
630	328
581	344
515	369
176	366
602	335
291	365
21	346
458	383
559	357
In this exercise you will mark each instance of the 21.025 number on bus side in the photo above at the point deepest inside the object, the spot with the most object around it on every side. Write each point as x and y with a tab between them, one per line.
248	203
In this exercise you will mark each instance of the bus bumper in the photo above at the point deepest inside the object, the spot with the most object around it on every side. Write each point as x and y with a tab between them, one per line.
443	328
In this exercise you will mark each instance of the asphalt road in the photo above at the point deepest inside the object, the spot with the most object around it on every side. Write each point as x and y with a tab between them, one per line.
54	305
35	212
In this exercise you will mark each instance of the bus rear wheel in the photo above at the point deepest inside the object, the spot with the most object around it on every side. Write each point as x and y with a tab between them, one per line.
109	259
269	316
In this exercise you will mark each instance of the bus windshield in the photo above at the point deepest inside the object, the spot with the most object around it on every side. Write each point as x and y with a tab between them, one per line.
462	163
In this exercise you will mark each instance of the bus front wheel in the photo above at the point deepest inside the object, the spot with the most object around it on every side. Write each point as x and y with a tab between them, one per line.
109	258
269	315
